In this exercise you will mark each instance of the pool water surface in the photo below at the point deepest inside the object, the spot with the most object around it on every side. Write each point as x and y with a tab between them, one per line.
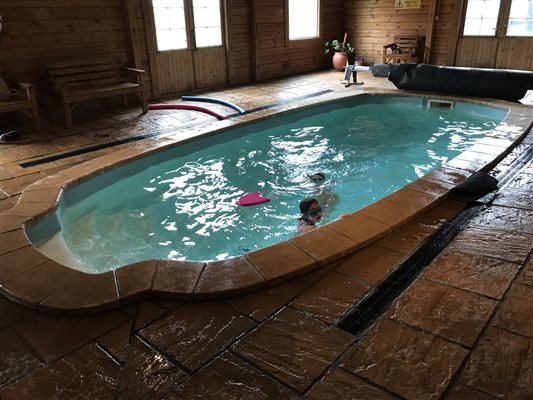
182	204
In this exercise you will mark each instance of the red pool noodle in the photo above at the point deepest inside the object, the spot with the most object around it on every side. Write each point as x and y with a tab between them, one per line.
185	107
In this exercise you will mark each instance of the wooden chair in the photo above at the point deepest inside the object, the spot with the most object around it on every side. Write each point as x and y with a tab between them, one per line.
406	48
24	101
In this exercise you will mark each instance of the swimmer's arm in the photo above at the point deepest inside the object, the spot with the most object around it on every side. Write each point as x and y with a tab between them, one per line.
306	228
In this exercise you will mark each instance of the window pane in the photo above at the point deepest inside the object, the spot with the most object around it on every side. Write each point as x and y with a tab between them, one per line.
472	28
206	37
481	17
303	19
521	9
520	18
171	39
170	30
474	9
488	27
207	23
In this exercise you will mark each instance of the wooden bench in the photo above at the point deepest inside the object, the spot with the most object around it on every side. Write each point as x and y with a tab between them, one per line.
406	48
25	101
93	78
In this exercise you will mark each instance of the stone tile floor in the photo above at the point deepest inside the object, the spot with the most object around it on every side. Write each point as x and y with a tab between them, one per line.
463	330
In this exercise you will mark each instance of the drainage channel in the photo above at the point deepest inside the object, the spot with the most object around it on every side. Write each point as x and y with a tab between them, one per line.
361	317
101	146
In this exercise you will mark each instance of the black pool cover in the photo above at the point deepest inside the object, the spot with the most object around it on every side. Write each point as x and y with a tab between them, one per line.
505	84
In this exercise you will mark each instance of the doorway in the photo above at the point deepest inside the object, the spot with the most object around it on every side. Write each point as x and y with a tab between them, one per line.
186	45
496	34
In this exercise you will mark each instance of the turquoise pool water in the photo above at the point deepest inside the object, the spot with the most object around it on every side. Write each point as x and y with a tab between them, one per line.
181	203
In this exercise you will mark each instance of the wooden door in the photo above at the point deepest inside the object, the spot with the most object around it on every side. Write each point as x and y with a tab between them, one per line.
495	51
177	72
184	70
210	67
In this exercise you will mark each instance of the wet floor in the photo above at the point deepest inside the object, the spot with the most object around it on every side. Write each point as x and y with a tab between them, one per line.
463	330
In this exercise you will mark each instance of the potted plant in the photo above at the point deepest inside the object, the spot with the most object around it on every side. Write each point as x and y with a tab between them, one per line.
342	51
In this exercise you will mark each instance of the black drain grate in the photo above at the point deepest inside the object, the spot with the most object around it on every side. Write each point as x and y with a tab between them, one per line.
374	305
85	150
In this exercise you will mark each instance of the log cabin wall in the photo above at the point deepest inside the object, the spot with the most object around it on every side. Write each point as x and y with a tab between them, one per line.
36	30
445	29
239	41
274	55
255	35
371	24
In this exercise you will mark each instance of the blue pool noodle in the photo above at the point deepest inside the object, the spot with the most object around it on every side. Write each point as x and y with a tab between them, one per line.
212	100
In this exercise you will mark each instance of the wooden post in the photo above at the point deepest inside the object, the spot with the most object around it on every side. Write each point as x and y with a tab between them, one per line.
226	29
431	27
151	43
131	24
344	41
452	52
256	75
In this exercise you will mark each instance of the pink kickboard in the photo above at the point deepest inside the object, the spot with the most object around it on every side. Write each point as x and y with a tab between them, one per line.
250	199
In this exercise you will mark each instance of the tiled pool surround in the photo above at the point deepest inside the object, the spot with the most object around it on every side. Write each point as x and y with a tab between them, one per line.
31	279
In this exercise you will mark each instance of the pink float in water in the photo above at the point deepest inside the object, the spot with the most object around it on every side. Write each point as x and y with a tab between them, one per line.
250	199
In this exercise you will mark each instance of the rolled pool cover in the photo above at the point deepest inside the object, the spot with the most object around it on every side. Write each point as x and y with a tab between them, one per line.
505	84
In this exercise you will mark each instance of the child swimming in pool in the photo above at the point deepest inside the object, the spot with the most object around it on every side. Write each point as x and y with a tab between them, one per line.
311	208
311	214
323	194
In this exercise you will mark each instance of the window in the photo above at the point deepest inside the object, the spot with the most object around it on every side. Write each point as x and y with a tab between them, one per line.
170	28
207	23
303	19
520	18
171	24
481	17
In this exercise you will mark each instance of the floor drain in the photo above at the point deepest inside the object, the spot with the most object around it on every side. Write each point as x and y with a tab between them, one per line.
360	318
84	150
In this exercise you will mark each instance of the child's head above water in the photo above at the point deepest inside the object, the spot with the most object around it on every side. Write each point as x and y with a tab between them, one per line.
310	209
317	177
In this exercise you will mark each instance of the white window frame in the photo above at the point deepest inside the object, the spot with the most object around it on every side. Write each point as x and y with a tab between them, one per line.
501	28
190	28
160	31
292	10
527	17
480	19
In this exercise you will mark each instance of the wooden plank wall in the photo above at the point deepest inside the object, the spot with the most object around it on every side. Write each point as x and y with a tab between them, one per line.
37	30
515	53
448	14
239	41
373	23
140	44
175	72
476	52
277	57
511	52
210	65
